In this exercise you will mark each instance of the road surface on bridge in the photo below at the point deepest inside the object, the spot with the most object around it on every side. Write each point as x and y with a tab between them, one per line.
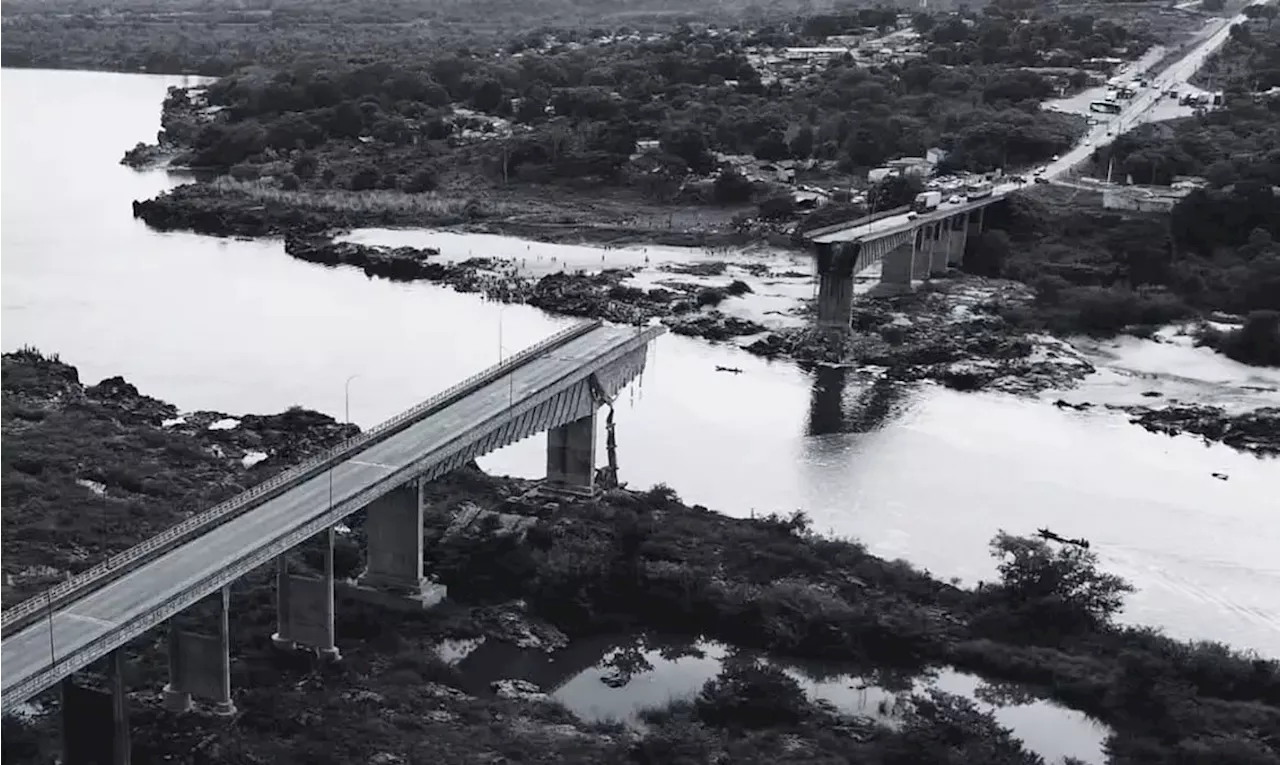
1175	75
144	590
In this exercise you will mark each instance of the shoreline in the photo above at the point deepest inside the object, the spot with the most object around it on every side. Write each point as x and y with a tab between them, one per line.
637	561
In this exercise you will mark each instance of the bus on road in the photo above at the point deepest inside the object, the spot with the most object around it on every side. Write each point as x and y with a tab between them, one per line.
978	191
1106	107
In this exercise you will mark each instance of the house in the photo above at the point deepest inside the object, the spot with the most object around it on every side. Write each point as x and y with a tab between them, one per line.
915	166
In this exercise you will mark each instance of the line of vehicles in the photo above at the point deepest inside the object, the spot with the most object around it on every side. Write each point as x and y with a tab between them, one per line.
927	201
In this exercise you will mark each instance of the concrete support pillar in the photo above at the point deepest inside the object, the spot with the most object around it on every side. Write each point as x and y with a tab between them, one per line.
304	606
835	263
895	270
571	455
95	723
921	260
394	531
200	664
956	233
941	247
393	577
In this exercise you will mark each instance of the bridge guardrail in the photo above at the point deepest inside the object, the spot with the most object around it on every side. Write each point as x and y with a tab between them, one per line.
19	615
120	633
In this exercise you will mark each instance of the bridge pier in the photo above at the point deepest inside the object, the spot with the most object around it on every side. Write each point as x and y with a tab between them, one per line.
200	664
956	236
571	456
393	527
95	723
897	266
835	263
304	607
941	247
973	227
920	259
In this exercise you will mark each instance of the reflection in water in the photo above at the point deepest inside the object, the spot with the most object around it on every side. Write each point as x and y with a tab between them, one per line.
871	407
617	678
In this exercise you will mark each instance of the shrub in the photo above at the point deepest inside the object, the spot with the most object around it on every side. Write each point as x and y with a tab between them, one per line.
364	179
1256	343
749	694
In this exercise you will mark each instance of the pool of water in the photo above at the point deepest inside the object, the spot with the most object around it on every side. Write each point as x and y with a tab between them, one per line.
585	678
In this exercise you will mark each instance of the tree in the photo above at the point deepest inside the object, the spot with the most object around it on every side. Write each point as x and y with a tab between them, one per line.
732	187
365	179
989	253
1054	588
894	191
690	144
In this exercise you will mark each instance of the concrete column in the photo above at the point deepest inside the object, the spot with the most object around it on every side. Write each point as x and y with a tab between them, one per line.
393	577
835	282
895	269
394	531
571	455
95	723
304	607
956	234
920	261
941	247
200	664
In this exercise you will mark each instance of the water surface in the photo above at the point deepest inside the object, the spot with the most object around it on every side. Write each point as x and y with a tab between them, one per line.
916	472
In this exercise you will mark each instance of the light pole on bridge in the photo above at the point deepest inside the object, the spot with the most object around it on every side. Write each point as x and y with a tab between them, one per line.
346	399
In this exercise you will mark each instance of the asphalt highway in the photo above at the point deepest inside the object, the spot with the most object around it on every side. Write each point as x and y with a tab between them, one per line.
142	591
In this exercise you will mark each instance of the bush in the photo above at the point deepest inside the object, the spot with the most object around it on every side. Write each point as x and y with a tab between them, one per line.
749	694
1256	343
732	187
422	181
1042	588
364	179
780	207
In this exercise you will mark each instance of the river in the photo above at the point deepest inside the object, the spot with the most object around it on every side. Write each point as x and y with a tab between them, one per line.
922	473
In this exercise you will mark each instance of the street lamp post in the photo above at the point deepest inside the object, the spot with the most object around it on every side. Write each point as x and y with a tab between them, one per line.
346	399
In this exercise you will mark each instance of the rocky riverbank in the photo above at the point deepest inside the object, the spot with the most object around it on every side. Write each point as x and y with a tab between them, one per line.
226	207
534	571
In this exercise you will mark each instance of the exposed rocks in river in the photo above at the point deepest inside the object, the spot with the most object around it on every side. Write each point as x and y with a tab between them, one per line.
690	309
1257	431
949	332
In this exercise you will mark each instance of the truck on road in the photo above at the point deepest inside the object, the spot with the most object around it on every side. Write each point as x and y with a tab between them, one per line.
926	201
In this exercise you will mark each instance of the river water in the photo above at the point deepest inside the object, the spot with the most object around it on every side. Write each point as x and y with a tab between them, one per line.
921	473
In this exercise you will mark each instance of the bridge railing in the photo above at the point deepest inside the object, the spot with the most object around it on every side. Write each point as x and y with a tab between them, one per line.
72	661
116	565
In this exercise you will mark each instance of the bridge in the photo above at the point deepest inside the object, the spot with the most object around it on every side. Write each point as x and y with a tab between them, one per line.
908	246
556	386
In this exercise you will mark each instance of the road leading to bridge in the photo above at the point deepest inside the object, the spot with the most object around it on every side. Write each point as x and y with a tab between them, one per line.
106	618
1175	75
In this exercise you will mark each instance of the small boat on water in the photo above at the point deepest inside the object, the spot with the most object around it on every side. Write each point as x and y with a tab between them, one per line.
730	370
1047	534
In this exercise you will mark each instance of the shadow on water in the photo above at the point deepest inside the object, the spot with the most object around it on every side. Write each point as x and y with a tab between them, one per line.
833	408
616	678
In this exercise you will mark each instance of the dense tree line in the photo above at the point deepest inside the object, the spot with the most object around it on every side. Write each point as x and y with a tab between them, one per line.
1001	35
579	110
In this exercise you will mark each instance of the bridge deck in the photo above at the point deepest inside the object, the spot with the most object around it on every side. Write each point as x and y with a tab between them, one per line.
140	592
891	225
